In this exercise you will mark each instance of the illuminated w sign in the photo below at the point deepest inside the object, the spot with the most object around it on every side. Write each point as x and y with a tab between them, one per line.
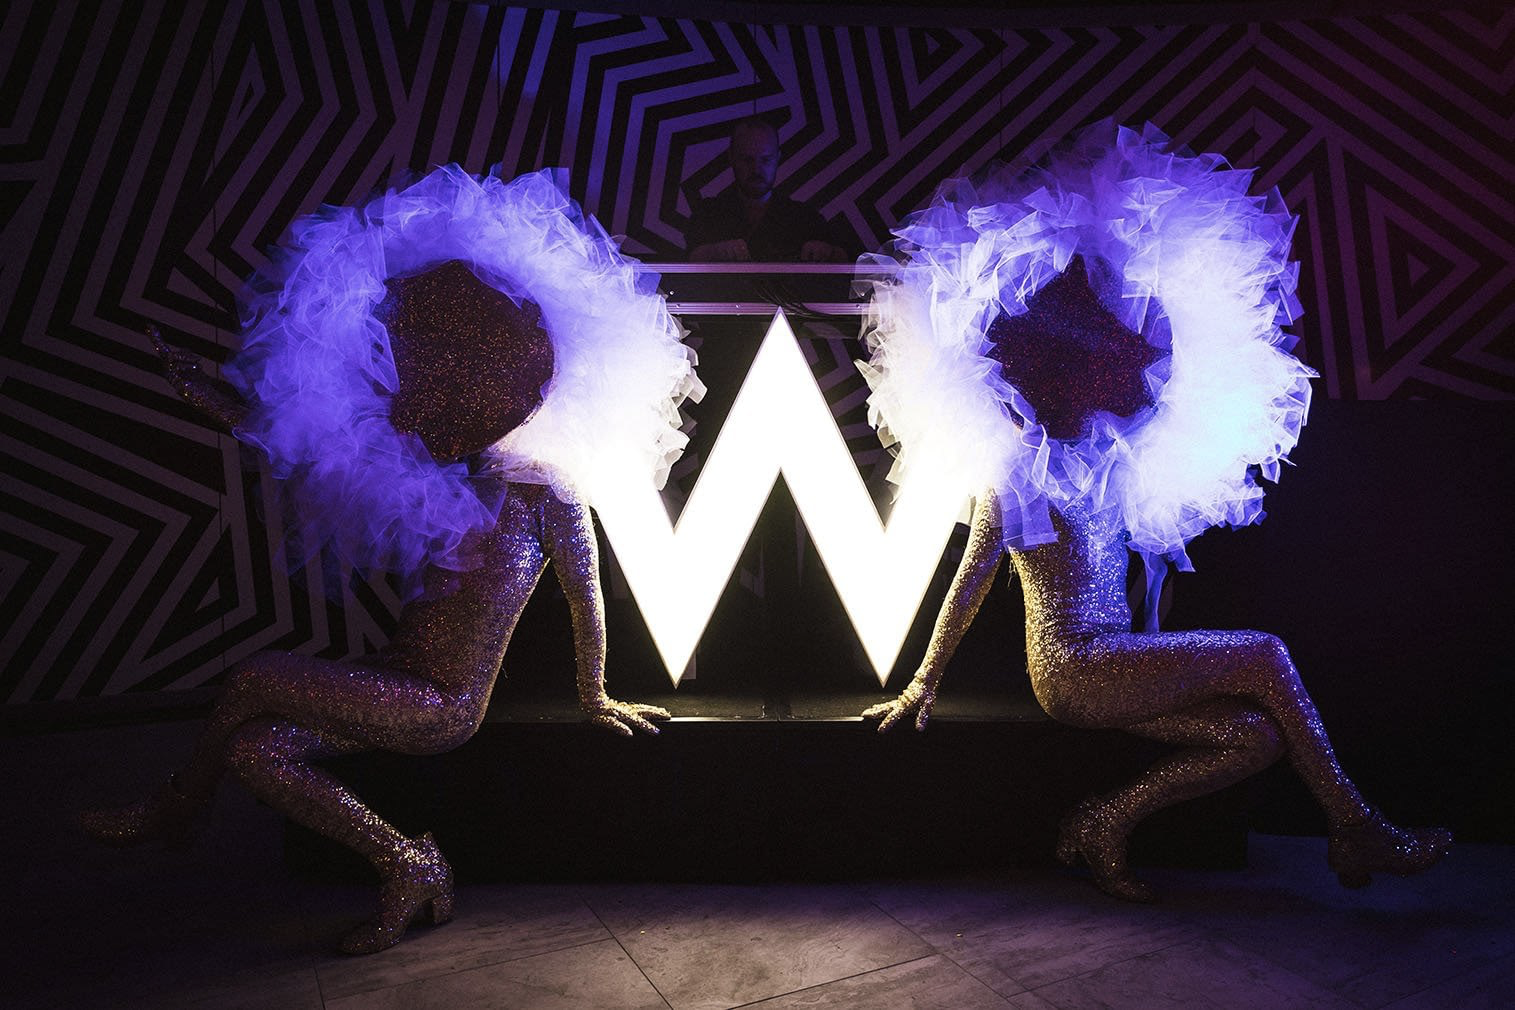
780	424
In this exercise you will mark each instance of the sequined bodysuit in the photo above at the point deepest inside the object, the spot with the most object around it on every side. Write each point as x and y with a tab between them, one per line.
1075	605
1231	700
368	416
456	634
427	690
1087	667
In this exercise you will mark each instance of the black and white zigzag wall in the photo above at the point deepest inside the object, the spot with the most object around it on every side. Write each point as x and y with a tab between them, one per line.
151	151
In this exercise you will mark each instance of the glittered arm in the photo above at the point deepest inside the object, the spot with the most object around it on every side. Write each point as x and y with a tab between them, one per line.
575	557
182	369
975	574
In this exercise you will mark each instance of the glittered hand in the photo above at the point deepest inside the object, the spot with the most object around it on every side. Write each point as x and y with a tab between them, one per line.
916	699
975	573
575	555
182	370
621	716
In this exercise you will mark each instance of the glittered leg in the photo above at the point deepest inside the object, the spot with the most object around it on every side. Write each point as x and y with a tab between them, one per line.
1123	680
357	701
1276	687
166	816
378	707
1225	741
1234	742
273	758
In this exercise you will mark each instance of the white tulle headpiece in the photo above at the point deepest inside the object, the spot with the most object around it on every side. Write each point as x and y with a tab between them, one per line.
1195	260
317	369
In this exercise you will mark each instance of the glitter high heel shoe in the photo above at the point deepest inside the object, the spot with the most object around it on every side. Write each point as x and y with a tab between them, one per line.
167	816
416	879
1357	851
1091	833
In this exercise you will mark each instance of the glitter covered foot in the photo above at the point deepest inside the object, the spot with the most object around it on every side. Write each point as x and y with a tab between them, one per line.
166	816
1357	851
1092	833
416	879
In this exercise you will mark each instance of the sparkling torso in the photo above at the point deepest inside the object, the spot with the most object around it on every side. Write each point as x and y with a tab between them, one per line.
457	632
1075	586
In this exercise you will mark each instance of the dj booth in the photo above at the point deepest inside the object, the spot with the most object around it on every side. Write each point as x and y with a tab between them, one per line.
1374	564
767	770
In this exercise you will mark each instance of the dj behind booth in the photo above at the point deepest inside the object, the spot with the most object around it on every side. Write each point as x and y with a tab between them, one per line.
767	771
749	222
753	252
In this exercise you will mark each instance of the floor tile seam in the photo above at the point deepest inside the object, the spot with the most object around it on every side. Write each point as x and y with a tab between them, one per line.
942	953
1092	971
834	981
1208	1004
1472	969
1202	935
634	962
1336	988
320	989
986	983
1197	933
465	969
1440	982
896	920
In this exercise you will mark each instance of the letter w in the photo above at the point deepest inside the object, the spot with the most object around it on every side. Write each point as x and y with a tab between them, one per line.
780	424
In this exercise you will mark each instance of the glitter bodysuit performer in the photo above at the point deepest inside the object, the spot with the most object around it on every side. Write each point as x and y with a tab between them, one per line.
1067	494
470	364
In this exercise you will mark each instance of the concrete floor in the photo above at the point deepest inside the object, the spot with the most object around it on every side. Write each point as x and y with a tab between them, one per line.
223	924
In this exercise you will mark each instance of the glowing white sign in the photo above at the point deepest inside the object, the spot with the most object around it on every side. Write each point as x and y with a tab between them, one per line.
779	424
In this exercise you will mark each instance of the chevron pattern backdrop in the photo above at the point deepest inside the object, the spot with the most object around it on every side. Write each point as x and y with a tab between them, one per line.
151	151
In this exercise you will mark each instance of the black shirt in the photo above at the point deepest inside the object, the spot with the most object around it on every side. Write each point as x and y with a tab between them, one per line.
784	227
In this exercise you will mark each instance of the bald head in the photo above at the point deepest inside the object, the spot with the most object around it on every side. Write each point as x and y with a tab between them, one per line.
754	158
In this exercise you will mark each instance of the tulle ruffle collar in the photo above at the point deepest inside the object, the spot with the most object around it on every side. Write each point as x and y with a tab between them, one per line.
317	370
1198	265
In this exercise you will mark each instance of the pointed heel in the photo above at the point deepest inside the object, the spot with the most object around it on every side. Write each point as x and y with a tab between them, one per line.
1357	851
167	816
441	909
416	881
1089	835
1067	851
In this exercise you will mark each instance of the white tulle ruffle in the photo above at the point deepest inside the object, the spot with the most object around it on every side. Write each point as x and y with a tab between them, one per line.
1196	259
317	370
